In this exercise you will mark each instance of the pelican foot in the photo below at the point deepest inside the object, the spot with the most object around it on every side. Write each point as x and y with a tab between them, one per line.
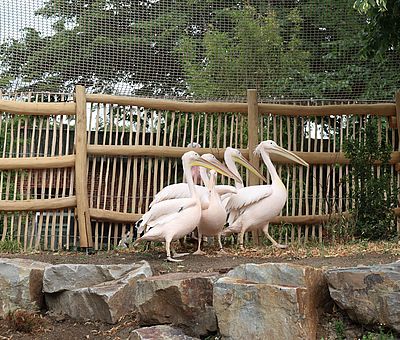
170	259
281	246
199	252
241	247
222	251
180	254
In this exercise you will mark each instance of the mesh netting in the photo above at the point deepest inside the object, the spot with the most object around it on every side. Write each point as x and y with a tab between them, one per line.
192	49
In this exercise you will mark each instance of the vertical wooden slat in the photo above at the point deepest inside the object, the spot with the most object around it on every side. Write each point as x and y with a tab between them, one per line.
253	133
85	229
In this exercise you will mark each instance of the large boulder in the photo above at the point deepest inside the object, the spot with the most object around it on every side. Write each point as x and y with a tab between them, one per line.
94	292
370	295
21	284
160	332
270	301
184	300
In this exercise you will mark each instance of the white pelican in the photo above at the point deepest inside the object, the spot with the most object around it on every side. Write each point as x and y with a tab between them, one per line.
180	190
253	207
213	218
172	219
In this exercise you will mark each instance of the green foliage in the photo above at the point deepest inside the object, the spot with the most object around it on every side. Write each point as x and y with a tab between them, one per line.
10	246
339	328
382	335
373	195
382	32
254	54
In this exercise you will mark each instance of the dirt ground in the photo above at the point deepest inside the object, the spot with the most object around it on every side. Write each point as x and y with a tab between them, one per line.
59	327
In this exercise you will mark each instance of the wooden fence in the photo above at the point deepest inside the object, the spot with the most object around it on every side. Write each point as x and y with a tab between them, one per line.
79	171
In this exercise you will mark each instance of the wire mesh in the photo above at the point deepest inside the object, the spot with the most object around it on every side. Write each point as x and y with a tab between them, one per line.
192	50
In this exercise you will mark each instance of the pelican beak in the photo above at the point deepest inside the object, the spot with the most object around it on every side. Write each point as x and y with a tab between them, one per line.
217	166
243	161
290	155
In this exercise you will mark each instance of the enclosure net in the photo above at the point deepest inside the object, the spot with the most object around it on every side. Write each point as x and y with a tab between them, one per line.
192	49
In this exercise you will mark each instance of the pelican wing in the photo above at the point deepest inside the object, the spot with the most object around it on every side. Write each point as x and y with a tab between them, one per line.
163	209
173	191
247	196
180	190
225	189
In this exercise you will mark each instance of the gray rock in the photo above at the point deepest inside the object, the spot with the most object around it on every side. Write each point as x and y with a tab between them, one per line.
370	295
184	300
21	284
62	277
107	301
270	301
160	332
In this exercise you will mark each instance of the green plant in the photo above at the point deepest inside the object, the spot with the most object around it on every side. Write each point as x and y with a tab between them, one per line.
373	194
10	246
339	328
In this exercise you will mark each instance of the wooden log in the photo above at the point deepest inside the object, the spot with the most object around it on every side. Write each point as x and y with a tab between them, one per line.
38	204
308	219
113	216
85	229
169	105
38	109
34	163
312	158
382	109
393	122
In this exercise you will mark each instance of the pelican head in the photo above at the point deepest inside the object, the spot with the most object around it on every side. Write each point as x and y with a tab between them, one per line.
209	157
269	146
237	157
193	159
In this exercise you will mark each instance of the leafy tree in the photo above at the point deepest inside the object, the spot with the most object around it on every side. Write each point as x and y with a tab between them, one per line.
254	54
382	33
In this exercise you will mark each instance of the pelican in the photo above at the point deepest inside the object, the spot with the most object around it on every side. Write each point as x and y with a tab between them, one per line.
253	207
172	219
213	218
180	190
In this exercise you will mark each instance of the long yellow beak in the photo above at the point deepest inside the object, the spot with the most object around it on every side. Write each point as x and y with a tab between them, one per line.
243	161
290	155
217	166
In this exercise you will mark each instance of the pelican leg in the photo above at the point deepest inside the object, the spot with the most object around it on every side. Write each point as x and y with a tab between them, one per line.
221	250
175	254
199	240
274	243
241	240
168	249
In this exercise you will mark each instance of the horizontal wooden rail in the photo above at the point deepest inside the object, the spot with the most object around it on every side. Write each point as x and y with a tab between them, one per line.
39	204
312	158
309	219
382	109
37	109
151	151
113	216
55	162
167	104
120	217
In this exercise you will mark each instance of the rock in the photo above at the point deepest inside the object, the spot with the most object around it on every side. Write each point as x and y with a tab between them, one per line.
184	300
270	301
160	332
21	284
107	296
370	295
74	276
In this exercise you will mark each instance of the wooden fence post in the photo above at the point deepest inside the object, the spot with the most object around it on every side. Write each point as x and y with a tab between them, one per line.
85	229
398	134
253	140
